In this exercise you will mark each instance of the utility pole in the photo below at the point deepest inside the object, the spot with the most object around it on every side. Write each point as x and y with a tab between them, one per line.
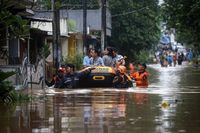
56	35
103	24
85	47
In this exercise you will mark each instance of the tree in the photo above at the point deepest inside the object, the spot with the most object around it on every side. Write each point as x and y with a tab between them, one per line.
16	25
135	25
8	94
184	17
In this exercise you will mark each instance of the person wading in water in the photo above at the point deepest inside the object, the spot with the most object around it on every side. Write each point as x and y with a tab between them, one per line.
141	76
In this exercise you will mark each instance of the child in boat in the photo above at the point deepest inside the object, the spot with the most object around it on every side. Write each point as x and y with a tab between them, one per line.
121	80
141	76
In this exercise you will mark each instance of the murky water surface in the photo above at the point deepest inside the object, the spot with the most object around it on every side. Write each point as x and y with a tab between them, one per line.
169	105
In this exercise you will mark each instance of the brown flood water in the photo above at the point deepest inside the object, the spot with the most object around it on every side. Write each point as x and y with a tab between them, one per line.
108	110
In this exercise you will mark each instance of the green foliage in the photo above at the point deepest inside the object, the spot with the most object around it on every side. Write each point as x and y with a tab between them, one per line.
9	95
144	56
135	25
77	61
5	17
44	51
184	17
71	24
5	75
16	25
7	92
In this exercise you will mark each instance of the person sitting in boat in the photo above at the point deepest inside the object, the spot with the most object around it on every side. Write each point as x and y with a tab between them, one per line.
56	78
121	80
52	82
96	60
68	76
71	78
86	59
107	58
141	76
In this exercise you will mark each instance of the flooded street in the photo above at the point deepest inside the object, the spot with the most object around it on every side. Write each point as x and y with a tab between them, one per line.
169	105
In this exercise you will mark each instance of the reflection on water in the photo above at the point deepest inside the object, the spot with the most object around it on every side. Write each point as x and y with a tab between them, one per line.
107	110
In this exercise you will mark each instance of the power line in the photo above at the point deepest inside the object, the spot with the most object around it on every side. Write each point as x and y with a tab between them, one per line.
130	12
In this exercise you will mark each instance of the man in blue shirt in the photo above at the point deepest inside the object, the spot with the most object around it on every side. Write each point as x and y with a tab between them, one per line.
86	59
96	60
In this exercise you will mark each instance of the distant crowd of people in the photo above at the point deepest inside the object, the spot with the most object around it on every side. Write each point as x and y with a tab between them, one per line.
172	58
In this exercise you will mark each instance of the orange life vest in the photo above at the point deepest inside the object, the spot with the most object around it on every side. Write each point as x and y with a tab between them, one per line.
140	78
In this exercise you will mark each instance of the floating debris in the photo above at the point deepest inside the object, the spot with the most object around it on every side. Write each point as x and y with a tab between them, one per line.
165	104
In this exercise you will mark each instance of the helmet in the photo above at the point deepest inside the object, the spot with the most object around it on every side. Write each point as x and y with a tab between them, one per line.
122	69
61	69
119	58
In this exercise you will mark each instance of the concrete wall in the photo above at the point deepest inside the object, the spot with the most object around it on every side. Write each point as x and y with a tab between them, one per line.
79	44
64	47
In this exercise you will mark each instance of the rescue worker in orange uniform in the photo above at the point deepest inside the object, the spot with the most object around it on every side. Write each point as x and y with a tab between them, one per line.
141	76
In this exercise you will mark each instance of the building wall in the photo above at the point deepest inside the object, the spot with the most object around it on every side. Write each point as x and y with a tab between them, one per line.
75	45
72	45
64	47
47	26
79	46
50	57
93	19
